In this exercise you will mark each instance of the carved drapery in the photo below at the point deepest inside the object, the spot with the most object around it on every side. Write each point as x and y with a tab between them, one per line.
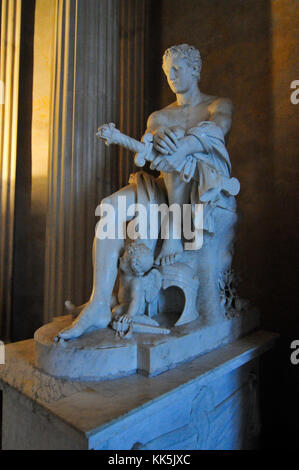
134	41
81	170
9	81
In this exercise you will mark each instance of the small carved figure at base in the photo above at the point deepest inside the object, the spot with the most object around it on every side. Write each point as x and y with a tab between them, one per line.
139	285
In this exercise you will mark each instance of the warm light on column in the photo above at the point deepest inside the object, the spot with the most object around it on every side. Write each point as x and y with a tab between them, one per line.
42	74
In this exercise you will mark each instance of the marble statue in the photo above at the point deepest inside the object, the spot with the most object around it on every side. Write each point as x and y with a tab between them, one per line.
160	296
185	142
136	291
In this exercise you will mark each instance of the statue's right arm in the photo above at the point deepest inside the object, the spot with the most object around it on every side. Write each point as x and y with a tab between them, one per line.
154	122
165	139
169	143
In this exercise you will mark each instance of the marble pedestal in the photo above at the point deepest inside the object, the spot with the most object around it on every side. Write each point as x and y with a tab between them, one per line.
208	403
102	355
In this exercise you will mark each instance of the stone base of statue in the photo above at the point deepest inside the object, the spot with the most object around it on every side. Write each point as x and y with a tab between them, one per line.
208	403
102	354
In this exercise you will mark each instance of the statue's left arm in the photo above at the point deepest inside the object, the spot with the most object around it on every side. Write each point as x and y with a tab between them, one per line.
196	140
221	111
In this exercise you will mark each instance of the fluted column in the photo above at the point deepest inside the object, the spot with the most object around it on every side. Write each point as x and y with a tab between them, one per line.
81	170
134	43
9	80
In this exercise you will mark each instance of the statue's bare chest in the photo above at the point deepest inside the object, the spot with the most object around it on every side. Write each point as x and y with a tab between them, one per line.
186	116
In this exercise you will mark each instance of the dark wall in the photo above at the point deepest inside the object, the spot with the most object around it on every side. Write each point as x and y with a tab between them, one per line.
250	53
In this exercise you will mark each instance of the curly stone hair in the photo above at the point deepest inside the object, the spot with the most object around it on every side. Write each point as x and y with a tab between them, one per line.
189	53
140	257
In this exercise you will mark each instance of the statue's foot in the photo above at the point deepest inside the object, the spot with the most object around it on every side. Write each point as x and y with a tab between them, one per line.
94	316
170	253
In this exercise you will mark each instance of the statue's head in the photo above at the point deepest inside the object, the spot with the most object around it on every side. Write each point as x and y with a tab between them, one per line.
182	66
137	259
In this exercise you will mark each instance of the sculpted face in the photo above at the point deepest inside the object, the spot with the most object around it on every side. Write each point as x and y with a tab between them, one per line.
180	75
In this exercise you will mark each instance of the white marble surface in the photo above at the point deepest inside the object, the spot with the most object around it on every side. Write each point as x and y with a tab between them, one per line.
102	355
40	411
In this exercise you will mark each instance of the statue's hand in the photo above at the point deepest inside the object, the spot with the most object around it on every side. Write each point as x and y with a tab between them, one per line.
166	141
106	132
170	163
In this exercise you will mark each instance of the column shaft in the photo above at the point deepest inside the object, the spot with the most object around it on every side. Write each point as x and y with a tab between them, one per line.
9	81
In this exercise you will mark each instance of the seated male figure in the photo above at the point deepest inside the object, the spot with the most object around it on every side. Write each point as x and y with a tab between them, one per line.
172	129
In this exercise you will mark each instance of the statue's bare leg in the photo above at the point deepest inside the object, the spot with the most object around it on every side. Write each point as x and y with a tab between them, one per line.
74	310
178	193
96	313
